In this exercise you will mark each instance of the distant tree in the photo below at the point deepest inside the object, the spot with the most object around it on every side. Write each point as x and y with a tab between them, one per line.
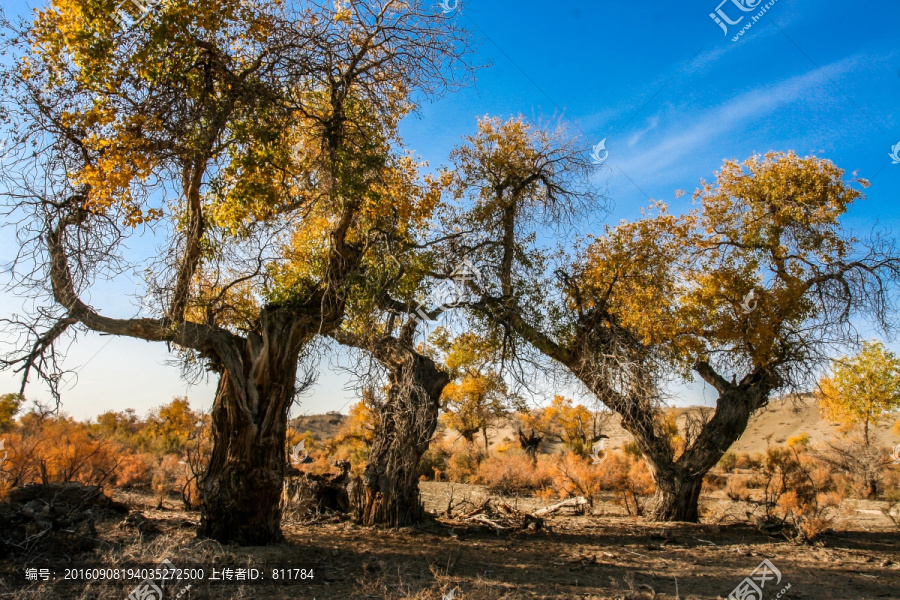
574	425
170	426
862	390
354	439
122	426
477	396
9	406
530	442
362	420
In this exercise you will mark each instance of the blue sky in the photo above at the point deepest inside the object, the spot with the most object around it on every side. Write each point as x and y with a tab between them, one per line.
670	92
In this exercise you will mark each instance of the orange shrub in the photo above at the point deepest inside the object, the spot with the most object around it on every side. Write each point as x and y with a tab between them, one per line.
58	449
463	465
512	473
576	476
134	469
736	489
168	477
799	490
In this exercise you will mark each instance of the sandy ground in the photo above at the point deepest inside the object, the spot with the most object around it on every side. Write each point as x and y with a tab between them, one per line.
604	555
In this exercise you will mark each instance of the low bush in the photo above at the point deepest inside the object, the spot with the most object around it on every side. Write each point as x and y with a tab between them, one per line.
513	473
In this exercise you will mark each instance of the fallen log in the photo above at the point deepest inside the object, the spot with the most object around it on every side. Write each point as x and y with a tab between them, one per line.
577	502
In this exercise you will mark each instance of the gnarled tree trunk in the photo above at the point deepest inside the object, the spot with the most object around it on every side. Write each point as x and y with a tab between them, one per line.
389	490
240	491
679	482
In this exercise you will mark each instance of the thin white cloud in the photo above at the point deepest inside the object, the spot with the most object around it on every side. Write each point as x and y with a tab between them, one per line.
682	141
652	123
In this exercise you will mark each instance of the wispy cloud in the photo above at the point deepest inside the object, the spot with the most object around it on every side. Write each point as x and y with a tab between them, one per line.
679	143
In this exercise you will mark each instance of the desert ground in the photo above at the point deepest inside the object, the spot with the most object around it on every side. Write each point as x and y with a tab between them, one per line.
602	555
477	544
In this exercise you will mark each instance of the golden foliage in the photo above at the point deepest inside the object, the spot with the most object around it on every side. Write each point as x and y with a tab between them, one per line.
862	388
731	275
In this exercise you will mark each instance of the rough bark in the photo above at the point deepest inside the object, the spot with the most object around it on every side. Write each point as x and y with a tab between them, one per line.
390	483
388	493
680	481
677	497
241	490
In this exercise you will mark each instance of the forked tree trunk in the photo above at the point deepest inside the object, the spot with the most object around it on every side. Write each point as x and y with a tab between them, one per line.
240	492
389	494
680	481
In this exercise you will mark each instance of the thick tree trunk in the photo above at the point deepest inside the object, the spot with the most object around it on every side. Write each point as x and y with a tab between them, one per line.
680	481
389	494
241	489
677	498
240	493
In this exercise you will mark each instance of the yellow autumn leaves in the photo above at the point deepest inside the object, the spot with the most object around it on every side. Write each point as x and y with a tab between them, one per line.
732	274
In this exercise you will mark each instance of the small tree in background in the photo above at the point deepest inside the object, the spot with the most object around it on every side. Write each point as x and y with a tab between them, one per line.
477	396
861	391
355	436
9	406
573	424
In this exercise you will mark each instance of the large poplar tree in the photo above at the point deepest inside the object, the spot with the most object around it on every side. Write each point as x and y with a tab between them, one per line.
751	292
254	145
